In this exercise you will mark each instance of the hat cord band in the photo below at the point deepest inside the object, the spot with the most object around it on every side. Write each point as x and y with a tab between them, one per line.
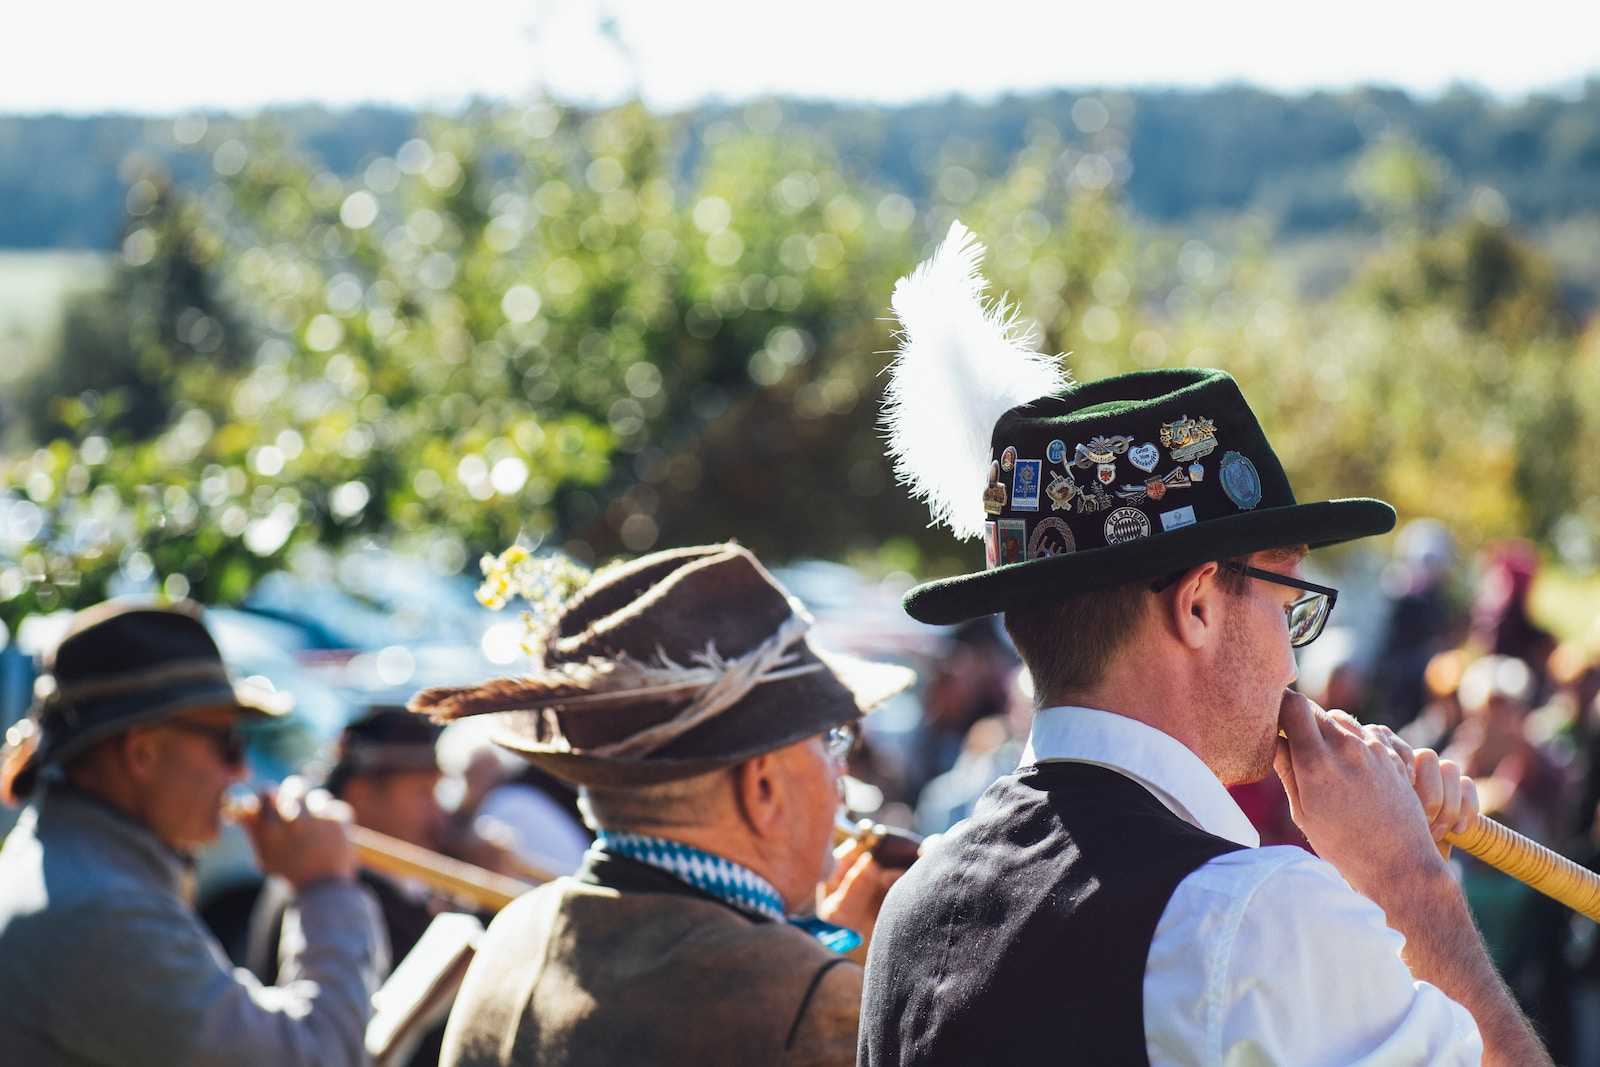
771	661
66	699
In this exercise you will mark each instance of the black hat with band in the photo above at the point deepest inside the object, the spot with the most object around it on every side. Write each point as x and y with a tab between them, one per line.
1127	479
1074	488
122	664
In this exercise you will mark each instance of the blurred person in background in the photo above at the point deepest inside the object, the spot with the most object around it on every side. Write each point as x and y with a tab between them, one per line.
1422	620
992	748
102	958
387	772
1569	724
972	681
1522	786
530	812
1502	624
1518	780
707	737
1580	958
1435	725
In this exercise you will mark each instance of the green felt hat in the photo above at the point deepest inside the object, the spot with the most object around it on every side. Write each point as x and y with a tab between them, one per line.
1129	479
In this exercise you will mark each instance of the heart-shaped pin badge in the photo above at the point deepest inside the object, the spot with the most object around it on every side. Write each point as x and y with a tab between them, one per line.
1145	456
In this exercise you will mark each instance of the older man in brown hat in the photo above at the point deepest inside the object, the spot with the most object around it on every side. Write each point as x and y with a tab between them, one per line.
679	692
102	959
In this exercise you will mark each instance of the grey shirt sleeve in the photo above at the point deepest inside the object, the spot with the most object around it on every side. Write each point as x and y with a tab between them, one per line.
162	992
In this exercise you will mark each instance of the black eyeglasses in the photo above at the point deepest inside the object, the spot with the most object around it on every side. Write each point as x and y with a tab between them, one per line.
1307	615
227	740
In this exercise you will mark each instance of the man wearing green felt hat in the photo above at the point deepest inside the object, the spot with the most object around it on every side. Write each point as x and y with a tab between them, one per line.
1109	900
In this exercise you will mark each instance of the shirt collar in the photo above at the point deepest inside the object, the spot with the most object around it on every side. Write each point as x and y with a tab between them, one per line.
732	883
119	839
1158	761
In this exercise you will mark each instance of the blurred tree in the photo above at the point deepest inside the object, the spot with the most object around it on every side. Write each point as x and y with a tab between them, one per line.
128	352
1399	182
536	322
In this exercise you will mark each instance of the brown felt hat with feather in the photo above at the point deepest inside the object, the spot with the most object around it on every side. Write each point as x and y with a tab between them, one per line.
674	664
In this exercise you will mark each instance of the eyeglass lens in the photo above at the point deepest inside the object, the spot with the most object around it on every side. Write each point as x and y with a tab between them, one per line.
1306	617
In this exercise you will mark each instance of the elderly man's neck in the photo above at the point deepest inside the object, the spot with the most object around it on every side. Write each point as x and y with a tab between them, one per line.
699	813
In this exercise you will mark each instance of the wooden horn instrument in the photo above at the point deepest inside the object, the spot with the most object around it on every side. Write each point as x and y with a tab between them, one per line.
1532	864
475	885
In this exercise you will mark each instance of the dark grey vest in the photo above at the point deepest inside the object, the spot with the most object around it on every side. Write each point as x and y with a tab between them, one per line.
1022	936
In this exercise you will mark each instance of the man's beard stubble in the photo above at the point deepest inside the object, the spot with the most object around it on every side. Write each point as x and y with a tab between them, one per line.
1242	724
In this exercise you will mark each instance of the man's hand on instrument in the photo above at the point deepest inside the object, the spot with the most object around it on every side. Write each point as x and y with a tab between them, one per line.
1367	803
1449	798
302	834
854	892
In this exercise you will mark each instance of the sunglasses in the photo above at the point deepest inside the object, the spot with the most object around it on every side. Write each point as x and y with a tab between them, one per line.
1306	616
228	740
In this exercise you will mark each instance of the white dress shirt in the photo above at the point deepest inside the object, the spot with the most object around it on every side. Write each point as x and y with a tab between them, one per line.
1263	955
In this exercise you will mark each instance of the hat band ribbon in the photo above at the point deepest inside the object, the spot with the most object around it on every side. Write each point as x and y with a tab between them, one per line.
373	758
771	661
67	699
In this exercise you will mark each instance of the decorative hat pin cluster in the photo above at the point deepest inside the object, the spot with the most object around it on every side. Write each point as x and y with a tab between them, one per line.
1074	487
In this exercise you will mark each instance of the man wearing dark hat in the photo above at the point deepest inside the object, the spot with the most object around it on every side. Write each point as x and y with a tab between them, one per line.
1107	903
386	770
680	693
103	961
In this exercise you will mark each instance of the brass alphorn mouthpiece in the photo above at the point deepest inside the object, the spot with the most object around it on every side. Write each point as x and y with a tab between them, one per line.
892	848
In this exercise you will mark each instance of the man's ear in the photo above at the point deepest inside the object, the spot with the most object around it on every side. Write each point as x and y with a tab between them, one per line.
1193	607
141	754
757	790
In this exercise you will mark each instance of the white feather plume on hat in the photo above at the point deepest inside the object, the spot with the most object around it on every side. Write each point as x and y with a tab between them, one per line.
963	362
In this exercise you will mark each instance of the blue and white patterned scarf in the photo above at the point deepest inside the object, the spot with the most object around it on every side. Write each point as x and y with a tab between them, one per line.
729	882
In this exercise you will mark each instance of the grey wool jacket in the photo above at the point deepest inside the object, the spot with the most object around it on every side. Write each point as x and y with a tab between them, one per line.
623	964
102	962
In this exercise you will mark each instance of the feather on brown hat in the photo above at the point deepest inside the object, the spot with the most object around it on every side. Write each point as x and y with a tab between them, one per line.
672	665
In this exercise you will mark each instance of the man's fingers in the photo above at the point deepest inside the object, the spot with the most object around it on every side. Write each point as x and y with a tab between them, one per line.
291	796
1283	763
1401	747
1469	806
1426	778
1450	810
324	805
854	871
845	857
1297	719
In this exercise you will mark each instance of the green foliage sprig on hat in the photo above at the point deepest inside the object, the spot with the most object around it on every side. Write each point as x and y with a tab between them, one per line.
544	582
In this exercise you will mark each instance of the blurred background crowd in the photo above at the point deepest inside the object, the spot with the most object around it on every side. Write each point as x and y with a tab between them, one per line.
304	364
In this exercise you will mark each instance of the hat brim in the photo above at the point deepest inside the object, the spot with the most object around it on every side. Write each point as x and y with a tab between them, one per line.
1036	582
853	687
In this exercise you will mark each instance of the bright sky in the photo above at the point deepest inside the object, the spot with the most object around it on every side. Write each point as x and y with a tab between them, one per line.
172	55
